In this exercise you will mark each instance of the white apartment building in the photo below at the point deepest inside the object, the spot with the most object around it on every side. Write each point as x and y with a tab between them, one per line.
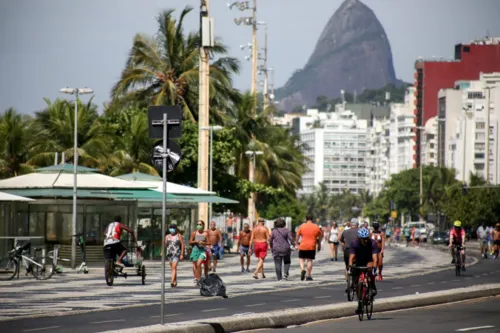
379	161
474	146
429	142
338	149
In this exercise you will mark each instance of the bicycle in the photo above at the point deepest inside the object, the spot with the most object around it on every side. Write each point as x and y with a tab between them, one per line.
111	270
458	259
54	255
10	266
364	292
351	287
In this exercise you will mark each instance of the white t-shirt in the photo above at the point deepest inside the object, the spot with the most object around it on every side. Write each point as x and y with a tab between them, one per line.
334	235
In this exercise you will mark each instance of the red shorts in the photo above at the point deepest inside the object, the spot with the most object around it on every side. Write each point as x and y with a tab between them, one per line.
260	250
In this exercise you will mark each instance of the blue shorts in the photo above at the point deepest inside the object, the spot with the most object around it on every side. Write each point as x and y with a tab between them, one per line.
244	250
216	251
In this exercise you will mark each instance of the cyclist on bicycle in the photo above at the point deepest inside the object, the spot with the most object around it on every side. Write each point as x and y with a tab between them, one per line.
112	241
457	238
379	236
365	251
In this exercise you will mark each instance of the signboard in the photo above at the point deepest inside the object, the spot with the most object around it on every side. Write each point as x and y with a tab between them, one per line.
173	158
155	121
394	214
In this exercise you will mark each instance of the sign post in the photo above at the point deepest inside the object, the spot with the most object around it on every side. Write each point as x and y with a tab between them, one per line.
167	156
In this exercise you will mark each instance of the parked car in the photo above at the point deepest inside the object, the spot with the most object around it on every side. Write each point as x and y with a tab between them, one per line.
440	237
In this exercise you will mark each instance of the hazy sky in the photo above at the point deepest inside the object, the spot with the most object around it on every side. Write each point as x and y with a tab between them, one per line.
49	44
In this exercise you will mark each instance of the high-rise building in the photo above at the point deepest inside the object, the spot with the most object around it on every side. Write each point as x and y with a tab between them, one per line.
379	160
433	75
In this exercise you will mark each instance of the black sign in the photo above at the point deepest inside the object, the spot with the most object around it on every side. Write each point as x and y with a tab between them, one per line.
173	158
174	121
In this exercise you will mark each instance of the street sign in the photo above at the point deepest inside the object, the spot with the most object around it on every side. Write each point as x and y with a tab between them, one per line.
394	214
155	121
174	155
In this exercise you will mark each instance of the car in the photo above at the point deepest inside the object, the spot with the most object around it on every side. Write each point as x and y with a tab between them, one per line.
440	237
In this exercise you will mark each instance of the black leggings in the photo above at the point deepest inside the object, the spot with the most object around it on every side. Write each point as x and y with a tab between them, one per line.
278	261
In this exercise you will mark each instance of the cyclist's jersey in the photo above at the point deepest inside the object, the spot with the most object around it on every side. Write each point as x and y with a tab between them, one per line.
364	253
113	233
457	236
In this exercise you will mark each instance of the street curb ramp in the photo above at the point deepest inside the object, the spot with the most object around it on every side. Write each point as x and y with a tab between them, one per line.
289	317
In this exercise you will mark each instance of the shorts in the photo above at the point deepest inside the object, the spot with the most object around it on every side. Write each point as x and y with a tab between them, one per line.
215	251
497	242
336	243
111	251
307	254
244	250
260	250
197	254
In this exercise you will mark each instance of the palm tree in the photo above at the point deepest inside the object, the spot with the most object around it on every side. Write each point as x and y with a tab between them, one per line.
164	70
54	128
14	138
133	147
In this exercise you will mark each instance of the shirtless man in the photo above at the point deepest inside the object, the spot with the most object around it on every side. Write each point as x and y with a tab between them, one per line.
259	241
215	241
495	234
244	246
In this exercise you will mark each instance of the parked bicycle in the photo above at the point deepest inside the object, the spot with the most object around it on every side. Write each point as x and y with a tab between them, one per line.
365	298
54	255
132	259
40	266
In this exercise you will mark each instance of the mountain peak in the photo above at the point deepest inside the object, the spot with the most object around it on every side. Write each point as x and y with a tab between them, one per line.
352	53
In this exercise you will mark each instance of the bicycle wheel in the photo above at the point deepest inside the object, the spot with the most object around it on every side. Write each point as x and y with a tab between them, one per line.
8	268
350	291
43	268
361	293
458	264
369	303
109	274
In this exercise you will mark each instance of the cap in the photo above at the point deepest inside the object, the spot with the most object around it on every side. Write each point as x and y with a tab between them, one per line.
354	221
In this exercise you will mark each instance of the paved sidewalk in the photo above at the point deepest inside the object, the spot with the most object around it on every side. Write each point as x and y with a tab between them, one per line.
71	292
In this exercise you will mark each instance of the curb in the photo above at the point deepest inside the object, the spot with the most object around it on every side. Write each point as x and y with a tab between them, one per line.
284	318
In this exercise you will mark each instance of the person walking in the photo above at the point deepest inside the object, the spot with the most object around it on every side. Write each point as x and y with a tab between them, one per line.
244	247
199	241
281	240
215	245
174	244
310	235
259	240
333	239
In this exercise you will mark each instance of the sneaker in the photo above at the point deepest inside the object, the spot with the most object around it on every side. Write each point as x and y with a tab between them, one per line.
374	292
286	277
302	275
309	278
248	270
331	259
336	259
242	270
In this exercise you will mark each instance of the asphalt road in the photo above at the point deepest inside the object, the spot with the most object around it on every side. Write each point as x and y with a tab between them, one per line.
480	316
486	271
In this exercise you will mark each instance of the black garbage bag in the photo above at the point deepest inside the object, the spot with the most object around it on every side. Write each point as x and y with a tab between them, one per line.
213	286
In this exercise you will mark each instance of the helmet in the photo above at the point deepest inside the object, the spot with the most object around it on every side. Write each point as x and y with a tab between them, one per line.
363	233
457	224
376	225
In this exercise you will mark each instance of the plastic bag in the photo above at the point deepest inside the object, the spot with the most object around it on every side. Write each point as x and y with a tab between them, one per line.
213	286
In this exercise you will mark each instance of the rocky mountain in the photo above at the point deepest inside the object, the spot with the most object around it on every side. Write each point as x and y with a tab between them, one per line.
352	53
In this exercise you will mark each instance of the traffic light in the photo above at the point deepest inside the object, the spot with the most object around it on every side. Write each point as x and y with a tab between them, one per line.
464	189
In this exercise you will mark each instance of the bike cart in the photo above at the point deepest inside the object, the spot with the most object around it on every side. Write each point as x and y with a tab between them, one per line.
133	259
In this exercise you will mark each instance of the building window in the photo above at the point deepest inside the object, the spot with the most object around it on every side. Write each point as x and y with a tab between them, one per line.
467	49
479	146
479	155
480	125
480	136
475	95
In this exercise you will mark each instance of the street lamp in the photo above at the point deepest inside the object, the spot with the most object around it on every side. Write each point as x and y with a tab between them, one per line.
211	129
77	92
252	154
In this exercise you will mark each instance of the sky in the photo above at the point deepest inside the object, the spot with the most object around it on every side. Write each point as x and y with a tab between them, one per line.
49	44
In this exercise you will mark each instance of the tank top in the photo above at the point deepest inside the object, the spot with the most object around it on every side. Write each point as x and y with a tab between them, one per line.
200	237
377	236
173	246
113	233
334	235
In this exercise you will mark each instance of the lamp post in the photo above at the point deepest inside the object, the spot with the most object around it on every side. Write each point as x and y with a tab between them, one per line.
252	154
211	170
250	21
264	68
77	92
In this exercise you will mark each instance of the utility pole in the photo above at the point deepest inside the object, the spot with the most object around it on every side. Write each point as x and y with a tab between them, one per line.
207	40
254	58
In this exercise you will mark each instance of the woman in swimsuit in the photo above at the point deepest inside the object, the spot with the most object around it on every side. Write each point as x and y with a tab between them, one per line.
379	237
175	251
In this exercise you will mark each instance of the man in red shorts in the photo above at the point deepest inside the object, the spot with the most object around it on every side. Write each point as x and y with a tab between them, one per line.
259	241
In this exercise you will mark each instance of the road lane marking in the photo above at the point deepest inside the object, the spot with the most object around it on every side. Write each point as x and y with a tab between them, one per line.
107	321
455	280
397	288
323	296
474	328
291	300
430	283
444	281
167	315
213	310
252	305
415	285
41	329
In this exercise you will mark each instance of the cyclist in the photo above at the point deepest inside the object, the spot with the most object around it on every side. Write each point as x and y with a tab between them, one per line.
365	251
457	238
495	234
379	236
112	241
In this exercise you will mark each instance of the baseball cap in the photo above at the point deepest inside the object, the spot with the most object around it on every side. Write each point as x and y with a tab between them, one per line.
354	221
